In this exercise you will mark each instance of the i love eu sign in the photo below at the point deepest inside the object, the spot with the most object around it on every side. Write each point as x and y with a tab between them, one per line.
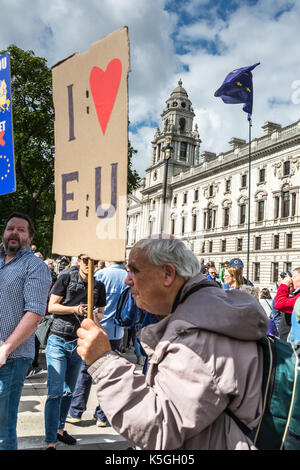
7	169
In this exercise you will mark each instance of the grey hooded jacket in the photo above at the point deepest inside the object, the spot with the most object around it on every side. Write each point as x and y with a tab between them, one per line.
203	358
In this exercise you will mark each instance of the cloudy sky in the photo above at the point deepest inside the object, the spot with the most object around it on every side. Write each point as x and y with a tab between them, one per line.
199	41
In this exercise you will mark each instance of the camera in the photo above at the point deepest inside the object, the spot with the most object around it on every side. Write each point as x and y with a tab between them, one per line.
283	275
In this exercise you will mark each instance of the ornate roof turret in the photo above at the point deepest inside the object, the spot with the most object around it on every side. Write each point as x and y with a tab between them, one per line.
178	101
179	90
176	126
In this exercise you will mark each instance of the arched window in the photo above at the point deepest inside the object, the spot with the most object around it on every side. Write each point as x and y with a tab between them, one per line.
182	124
183	151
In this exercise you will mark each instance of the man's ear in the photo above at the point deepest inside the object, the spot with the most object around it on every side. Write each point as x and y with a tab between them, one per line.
169	274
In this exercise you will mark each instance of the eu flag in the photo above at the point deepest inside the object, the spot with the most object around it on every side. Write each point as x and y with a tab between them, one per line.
238	88
7	166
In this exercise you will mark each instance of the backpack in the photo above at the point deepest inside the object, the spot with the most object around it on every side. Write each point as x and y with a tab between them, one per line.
127	312
279	424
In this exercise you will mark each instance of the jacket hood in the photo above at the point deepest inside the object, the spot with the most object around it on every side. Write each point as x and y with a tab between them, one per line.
232	313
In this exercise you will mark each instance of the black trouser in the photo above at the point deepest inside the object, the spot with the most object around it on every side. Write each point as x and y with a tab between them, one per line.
284	326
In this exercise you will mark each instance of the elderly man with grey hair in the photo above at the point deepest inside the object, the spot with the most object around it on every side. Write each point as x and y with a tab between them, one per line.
203	357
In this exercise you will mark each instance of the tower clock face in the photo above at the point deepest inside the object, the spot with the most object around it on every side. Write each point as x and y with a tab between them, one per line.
174	103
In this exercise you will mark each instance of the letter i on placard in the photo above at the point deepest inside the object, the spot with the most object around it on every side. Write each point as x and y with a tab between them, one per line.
71	113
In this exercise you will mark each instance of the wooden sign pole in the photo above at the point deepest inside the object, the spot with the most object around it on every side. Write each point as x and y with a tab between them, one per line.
90	289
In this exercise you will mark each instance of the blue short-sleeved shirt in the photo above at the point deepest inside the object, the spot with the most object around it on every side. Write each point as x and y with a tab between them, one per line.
24	286
113	278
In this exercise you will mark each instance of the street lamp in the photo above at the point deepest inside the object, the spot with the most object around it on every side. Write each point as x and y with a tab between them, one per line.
167	150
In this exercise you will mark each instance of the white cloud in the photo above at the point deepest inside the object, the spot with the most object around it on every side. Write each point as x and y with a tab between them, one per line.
141	141
250	35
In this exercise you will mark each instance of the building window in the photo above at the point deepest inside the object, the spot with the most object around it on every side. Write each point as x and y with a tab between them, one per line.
276	207
210	246
209	218
226	216
203	247
261	211
244	181
256	271
223	245
242	213
275	272
183	151
172	226
285	204
257	243
293	204
182	225
194	222
228	185
211	190
182	124
288	267
158	151
276	242
174	200
289	240
196	195
151	225
239	246
184	198
262	175
286	168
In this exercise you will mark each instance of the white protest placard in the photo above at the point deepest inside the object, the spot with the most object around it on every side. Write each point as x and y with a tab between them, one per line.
90	96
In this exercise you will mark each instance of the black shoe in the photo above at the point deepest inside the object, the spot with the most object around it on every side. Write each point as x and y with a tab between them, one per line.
66	438
33	371
50	448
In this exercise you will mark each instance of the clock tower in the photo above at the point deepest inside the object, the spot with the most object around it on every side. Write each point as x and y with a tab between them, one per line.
178	132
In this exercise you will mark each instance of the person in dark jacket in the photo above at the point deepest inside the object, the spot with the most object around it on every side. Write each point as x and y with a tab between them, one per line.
68	303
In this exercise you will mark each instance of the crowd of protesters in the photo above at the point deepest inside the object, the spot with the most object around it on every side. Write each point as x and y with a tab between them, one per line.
165	277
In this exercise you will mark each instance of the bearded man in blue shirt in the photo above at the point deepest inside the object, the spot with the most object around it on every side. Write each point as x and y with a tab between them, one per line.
24	285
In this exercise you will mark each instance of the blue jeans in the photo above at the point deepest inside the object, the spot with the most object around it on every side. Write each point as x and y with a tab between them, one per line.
63	364
12	376
83	388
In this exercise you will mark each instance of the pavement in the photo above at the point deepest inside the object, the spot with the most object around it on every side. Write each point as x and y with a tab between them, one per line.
30	426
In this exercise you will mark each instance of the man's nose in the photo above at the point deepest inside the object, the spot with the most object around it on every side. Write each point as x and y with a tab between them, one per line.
128	280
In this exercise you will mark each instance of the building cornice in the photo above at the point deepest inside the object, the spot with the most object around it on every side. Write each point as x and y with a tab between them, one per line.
224	164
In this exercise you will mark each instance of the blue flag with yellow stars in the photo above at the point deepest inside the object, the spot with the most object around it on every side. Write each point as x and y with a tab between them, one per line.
7	166
238	88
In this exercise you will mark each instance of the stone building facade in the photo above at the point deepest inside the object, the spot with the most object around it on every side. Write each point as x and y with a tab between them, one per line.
207	195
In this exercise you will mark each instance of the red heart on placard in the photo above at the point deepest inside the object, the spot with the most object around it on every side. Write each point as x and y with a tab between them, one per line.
104	88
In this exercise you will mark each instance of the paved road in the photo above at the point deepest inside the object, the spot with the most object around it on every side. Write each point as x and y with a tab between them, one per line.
31	431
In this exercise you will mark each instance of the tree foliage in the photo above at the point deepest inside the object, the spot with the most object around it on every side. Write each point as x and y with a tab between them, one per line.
133	176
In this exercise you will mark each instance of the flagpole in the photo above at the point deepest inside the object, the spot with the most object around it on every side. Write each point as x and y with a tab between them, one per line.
249	199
